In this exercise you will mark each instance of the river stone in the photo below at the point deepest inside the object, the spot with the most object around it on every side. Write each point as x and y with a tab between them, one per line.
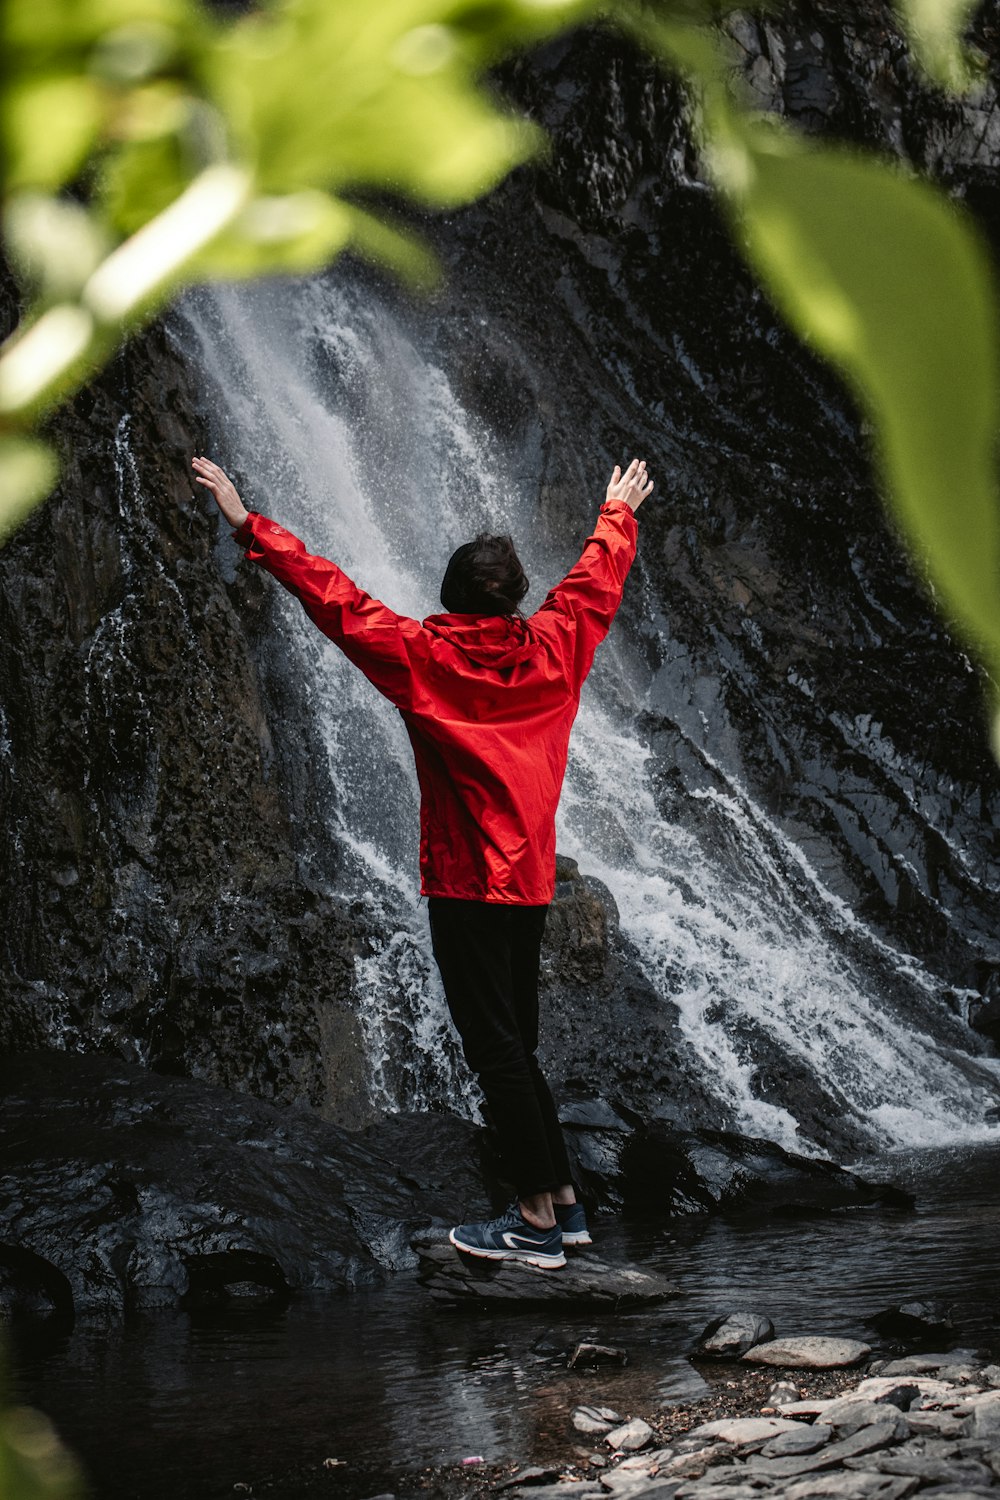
875	1387
913	1320
566	1490
927	1364
123	1188
990	1375
809	1352
852	1412
534	1475
985	1418
927	1470
943	1424
851	1486
585	1280
733	1334
865	1440
800	1439
596	1419
591	1355
744	1429
630	1437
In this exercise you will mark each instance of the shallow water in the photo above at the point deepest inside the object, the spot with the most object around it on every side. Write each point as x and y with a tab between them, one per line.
189	1404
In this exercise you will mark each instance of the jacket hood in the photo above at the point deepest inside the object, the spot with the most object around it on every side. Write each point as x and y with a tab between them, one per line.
487	640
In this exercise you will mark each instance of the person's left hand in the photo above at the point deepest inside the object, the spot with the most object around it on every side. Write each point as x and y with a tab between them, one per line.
222	487
633	486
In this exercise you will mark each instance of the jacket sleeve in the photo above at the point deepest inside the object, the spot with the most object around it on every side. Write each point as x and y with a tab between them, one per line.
380	642
578	612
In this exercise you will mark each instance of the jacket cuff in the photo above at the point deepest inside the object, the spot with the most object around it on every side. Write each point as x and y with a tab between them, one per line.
243	534
617	506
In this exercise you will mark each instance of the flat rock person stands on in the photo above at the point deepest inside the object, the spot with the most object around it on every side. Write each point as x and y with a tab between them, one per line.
488	698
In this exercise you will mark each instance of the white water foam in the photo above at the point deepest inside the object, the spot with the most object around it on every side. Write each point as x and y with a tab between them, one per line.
351	434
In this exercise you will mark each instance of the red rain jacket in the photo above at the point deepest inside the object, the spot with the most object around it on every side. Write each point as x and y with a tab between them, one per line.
488	702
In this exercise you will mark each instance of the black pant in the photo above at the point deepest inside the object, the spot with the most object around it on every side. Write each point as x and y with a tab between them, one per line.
488	955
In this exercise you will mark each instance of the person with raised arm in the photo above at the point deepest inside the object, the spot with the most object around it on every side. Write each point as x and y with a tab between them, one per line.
488	697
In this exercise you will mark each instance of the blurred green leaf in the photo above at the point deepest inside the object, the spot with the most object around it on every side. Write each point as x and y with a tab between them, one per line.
884	275
400	251
28	472
385	95
295	233
49	125
142	179
935	29
54	243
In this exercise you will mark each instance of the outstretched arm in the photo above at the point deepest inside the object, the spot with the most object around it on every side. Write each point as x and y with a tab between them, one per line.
375	638
580	609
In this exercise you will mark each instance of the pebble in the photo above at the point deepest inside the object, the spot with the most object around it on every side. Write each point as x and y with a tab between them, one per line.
809	1353
732	1335
865	1440
630	1437
802	1438
594	1419
852	1412
985	1418
597	1354
534	1475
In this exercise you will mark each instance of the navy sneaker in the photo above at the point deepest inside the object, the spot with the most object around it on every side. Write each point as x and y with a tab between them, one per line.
511	1237
573	1222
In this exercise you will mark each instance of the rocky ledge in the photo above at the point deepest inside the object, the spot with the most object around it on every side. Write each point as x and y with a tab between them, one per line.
585	1279
123	1188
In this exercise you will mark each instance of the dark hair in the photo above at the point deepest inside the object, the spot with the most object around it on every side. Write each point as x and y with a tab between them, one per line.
484	577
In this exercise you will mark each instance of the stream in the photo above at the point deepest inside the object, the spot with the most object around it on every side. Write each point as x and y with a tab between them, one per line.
175	1403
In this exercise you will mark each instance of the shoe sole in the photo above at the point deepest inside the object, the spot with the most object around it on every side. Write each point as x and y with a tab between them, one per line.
580	1238
544	1262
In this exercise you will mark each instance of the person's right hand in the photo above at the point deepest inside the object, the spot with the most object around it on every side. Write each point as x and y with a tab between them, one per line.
222	487
633	486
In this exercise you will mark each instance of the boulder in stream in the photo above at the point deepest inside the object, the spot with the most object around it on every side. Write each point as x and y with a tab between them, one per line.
585	1280
809	1352
732	1334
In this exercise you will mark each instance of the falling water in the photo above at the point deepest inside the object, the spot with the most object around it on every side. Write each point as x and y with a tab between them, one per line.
349	433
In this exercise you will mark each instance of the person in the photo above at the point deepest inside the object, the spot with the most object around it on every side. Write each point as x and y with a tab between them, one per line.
488	698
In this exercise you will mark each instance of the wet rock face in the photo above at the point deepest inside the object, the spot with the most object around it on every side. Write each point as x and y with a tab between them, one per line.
155	905
651	1168
793	628
123	1189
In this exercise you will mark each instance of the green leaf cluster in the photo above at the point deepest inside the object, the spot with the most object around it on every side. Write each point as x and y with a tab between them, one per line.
145	144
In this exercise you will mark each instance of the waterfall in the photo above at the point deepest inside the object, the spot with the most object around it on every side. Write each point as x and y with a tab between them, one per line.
350	433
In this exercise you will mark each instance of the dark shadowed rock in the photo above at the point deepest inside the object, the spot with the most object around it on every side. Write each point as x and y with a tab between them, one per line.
121	1188
915	1321
584	1280
652	1168
733	1334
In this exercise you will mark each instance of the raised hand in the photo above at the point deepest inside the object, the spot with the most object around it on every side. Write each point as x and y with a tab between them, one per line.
222	487
633	486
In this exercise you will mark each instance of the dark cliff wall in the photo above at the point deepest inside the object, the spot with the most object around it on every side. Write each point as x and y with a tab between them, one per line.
796	644
154	761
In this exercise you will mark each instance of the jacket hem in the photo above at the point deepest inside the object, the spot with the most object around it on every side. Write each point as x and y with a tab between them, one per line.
493	898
